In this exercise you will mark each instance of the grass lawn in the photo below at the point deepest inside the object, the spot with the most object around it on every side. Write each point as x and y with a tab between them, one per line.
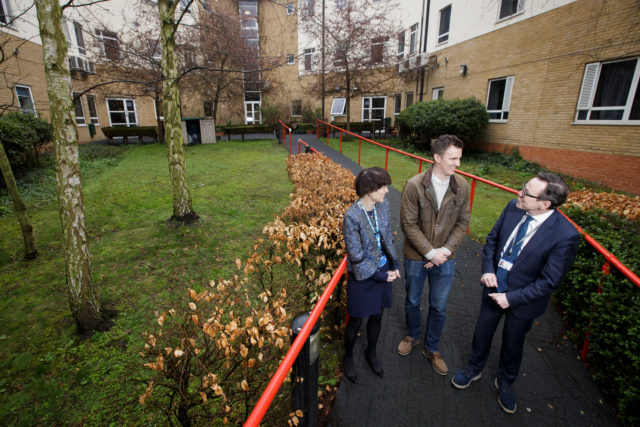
139	264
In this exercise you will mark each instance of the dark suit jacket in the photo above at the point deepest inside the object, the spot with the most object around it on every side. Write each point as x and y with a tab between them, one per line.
541	265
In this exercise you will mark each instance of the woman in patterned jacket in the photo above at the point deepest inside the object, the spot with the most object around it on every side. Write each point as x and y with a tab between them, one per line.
372	264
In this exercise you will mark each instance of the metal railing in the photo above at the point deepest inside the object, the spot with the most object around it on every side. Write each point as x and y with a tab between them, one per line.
283	126
278	378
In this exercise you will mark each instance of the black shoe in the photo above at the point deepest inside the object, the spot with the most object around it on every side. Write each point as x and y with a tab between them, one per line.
350	369
374	364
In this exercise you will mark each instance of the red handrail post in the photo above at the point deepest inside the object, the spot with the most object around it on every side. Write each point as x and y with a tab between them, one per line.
420	167
473	192
299	150
359	149
386	160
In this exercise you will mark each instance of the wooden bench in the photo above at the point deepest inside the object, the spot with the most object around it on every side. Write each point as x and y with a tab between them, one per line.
125	132
244	129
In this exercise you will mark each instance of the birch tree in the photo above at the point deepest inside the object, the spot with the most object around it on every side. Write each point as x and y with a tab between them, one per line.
182	205
86	309
30	250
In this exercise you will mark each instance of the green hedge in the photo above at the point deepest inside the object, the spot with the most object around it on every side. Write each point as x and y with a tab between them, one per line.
22	135
614	314
465	118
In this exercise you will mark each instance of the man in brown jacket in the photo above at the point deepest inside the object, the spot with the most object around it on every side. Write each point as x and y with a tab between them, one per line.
434	215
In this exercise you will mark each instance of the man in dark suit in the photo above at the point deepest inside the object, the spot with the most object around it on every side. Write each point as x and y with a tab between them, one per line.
527	254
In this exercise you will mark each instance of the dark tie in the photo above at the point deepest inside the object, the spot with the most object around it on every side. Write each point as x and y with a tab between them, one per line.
511	253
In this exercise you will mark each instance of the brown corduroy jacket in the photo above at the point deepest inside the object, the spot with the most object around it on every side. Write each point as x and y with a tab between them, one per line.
426	227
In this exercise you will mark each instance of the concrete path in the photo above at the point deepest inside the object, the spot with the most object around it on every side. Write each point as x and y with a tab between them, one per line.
554	387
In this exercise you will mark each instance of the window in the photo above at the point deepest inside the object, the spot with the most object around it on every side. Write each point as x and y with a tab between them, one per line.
122	112
377	49
25	99
93	111
291	59
290	9
155	49
397	103
77	105
337	107
309	7
296	108
610	92
373	108
207	106
509	8
77	29
413	39
340	56
341	4
308	59
5	12
401	45
499	98
408	99
438	93
445	20
109	44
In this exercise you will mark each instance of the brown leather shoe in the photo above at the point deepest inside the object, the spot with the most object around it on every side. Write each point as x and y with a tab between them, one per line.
436	361
406	345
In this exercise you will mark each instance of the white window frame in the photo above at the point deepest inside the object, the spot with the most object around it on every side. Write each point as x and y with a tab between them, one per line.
338	106
93	119
310	52
443	36
397	104
519	10
155	110
436	93
401	43
290	9
18	97
506	100
308	7
125	111
291	59
371	108
292	108
77	102
588	90
109	41
6	16
413	39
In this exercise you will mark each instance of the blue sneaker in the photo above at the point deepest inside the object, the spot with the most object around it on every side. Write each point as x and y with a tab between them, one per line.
506	398
464	378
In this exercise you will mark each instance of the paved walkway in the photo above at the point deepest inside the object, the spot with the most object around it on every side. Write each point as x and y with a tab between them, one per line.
554	387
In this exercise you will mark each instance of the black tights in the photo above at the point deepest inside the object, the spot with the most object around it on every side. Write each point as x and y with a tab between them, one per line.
351	333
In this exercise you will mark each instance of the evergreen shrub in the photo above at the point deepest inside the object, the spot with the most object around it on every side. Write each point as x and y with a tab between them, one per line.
423	121
22	135
612	317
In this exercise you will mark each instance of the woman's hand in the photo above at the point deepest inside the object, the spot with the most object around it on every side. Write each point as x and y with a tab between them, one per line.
393	275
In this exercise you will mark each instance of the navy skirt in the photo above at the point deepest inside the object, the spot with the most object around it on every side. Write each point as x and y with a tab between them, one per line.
369	296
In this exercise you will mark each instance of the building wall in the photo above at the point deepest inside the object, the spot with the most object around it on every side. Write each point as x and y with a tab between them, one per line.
547	54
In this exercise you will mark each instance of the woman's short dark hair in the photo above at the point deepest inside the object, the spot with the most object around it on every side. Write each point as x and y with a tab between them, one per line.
556	191
370	180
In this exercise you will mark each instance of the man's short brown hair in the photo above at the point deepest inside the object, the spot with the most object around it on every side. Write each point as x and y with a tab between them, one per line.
443	142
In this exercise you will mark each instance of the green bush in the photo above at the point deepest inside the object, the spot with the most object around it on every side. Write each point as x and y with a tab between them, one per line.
22	135
465	118
613	315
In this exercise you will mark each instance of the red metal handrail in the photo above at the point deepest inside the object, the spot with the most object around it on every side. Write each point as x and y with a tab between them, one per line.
276	381
284	139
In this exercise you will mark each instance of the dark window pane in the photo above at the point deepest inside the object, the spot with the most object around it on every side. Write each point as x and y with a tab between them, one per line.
508	8
505	115
614	83
496	94
606	114
118	118
582	115
132	118
445	17
378	102
116	104
495	116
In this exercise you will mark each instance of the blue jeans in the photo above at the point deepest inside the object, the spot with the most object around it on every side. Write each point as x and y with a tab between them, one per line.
440	280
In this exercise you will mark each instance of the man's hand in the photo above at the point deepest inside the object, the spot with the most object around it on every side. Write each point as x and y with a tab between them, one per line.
489	280
439	258
500	299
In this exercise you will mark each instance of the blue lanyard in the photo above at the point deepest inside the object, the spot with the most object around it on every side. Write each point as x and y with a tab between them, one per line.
376	231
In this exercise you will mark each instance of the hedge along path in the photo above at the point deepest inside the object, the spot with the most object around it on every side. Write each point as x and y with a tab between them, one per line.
211	357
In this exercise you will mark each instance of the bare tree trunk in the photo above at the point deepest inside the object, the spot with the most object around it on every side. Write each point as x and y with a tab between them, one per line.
182	206
30	250
85	307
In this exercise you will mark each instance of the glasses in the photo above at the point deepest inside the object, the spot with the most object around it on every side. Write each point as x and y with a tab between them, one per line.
525	194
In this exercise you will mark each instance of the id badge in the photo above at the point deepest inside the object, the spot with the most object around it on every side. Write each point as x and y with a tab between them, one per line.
503	263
